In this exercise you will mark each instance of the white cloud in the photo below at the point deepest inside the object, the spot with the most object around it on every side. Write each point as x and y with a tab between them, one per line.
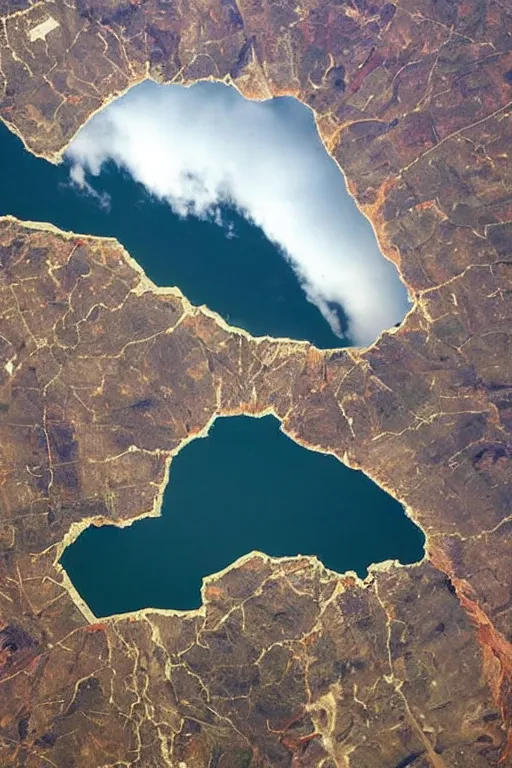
205	146
77	176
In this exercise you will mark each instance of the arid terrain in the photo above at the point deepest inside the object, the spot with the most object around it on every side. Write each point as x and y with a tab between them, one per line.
104	377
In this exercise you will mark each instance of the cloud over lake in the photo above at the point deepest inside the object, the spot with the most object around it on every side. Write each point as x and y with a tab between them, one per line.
205	147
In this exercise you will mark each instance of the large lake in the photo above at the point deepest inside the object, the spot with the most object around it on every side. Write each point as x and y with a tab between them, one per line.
247	486
265	160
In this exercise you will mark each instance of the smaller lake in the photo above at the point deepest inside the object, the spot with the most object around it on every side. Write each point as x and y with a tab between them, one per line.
245	487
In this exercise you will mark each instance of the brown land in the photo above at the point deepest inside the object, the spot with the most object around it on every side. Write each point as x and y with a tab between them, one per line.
103	378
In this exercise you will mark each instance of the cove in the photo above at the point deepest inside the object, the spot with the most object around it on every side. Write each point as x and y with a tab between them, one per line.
245	487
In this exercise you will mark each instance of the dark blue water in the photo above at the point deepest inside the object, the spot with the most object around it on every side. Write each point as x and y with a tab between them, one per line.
244	278
245	487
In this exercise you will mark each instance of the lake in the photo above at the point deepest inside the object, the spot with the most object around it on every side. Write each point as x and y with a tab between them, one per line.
224	163
245	487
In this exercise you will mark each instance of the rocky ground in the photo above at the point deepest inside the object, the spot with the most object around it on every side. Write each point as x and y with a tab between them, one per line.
104	377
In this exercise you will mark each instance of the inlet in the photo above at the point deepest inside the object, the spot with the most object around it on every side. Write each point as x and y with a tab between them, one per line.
246	487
